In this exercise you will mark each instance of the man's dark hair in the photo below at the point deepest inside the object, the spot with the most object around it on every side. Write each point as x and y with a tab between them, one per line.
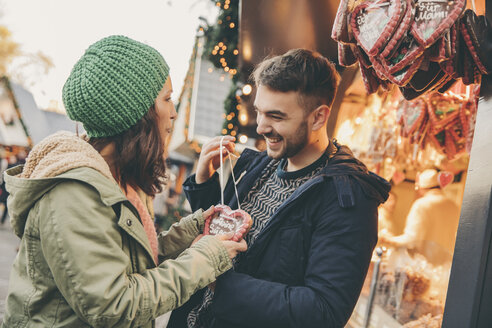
301	70
138	155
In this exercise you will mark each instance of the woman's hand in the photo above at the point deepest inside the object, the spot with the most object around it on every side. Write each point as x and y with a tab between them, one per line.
209	160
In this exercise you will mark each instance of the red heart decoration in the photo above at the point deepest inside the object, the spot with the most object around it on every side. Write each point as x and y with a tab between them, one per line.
224	221
445	178
434	18
374	22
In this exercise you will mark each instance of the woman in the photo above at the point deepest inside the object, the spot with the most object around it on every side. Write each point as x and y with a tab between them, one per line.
88	253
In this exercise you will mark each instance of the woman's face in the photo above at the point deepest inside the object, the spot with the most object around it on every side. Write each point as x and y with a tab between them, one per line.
165	109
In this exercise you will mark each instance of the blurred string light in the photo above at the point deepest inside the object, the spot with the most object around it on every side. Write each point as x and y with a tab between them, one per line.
243	139
247	89
221	45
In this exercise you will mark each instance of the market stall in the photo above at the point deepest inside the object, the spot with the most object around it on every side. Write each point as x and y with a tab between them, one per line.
410	116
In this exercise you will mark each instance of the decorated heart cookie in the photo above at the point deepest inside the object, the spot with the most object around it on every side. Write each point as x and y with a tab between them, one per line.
445	178
374	22
442	110
224	221
340	31
408	51
398	36
414	115
477	34
346	56
451	65
433	18
400	78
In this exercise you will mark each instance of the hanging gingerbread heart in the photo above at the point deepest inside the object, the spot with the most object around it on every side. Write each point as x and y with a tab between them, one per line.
340	31
374	22
445	178
442	110
438	140
450	148
477	35
408	51
224	221
403	27
441	49
451	65
414	115
434	17
400	78
371	81
346	56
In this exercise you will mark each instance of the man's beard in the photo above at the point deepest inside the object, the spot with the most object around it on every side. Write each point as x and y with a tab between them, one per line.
294	144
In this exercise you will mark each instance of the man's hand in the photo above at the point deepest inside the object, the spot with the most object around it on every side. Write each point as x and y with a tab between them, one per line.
209	160
232	247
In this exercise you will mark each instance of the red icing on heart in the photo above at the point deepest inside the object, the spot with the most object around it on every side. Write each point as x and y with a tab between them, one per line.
433	18
374	22
224	221
445	178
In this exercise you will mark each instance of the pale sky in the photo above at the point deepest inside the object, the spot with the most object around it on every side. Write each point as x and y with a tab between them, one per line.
63	29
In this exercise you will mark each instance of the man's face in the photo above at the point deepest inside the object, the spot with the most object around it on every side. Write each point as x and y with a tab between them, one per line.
282	121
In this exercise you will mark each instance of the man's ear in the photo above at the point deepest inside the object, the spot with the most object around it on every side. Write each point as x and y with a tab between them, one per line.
320	117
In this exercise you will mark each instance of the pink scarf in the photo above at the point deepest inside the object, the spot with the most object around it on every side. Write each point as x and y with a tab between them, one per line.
147	222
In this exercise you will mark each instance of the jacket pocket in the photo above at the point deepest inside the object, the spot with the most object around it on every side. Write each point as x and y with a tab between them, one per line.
290	255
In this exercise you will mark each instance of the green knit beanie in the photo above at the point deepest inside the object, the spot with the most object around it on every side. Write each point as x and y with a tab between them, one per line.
113	85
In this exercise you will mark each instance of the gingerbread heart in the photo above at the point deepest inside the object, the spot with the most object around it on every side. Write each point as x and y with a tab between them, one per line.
398	36
451	65
340	31
400	78
374	22
477	35
224	221
433	18
408	51
414	115
445	178
442	110
346	55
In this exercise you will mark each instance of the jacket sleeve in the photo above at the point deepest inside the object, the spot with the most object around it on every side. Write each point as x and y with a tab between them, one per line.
83	246
180	236
202	195
337	262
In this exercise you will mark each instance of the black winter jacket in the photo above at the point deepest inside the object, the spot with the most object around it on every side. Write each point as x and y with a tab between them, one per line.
307	266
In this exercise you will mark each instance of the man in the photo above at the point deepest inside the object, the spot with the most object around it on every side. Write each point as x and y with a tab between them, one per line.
431	224
314	209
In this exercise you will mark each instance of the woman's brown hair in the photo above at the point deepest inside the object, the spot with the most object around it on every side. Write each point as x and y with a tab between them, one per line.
138	155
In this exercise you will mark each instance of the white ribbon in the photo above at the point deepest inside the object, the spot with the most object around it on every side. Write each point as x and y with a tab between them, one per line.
221	146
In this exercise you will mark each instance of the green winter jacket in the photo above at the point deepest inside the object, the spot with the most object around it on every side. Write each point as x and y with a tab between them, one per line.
84	258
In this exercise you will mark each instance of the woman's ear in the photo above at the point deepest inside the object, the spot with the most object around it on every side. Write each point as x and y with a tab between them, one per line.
320	117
